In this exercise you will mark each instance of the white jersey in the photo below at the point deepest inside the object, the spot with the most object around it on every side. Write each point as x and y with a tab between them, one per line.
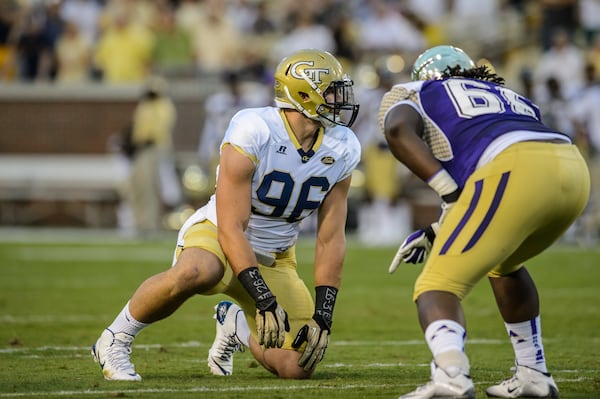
288	184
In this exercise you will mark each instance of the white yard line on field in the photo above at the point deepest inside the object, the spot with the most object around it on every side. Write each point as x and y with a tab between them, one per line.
188	390
318	385
196	344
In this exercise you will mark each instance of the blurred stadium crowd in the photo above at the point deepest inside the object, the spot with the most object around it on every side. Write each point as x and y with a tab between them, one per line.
549	50
122	41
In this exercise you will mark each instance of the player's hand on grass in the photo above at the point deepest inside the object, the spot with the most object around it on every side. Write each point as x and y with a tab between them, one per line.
316	335
271	324
271	319
316	332
415	247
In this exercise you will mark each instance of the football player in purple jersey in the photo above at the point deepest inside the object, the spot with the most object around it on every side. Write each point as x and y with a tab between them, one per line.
509	187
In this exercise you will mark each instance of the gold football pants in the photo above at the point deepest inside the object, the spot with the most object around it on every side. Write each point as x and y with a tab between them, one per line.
510	210
282	278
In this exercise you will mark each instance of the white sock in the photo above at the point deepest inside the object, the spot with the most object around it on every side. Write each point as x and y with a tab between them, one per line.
124	322
242	329
526	339
445	335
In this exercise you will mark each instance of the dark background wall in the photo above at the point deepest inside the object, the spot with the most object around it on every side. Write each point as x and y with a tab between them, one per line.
79	120
55	157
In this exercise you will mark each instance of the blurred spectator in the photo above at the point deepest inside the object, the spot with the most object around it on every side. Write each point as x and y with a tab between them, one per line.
263	23
173	53
515	31
34	50
383	218
85	14
323	11
385	30
9	14
73	53
218	110
475	25
557	15
346	36
243	14
189	14
592	52
306	32
526	80
564	61
518	5
143	13
585	111
259	40
555	109
589	19
217	41
152	182
123	51
517	68
53	29
432	14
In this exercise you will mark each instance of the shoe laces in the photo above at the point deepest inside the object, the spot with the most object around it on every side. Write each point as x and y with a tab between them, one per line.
228	346
118	354
513	381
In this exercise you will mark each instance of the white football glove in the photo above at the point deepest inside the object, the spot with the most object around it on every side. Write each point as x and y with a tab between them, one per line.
415	247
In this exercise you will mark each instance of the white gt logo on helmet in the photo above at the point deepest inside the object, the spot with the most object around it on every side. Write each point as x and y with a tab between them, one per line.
313	74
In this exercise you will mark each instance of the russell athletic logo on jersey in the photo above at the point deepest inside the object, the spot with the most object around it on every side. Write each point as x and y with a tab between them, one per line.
314	74
281	149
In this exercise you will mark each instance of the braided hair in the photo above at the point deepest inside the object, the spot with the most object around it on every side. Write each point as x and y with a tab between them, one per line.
480	72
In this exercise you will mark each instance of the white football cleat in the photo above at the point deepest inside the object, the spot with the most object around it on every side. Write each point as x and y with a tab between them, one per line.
442	385
112	351
526	383
220	354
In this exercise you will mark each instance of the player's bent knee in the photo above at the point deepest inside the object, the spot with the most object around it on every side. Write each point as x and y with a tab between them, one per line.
194	272
294	372
284	364
186	278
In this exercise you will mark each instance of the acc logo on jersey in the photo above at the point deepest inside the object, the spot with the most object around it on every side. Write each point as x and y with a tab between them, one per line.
313	74
328	160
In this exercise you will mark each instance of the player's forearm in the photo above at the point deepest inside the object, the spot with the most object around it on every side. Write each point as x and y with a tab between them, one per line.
329	263
237	249
403	127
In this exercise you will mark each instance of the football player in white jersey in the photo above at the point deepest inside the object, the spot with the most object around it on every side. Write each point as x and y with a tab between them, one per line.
278	165
510	186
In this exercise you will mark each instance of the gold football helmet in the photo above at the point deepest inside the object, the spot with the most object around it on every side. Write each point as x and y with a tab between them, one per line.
313	82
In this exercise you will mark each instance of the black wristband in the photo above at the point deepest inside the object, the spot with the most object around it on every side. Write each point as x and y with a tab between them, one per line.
253	282
452	197
429	233
325	297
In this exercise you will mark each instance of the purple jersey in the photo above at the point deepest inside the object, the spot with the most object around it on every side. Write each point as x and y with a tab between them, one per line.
462	117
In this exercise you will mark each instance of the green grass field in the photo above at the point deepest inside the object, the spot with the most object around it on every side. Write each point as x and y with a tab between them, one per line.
58	291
